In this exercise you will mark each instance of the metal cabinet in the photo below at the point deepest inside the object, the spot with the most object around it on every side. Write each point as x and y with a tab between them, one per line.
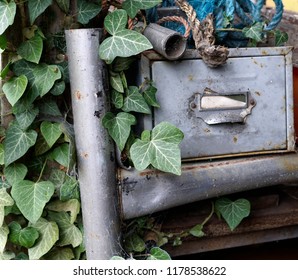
243	107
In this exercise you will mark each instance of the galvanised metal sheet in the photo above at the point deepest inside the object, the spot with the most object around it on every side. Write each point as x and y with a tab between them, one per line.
263	76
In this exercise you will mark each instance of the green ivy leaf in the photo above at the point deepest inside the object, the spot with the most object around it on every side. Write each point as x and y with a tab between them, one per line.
31	49
31	197
15	172
134	101
72	206
122	63
41	146
49	234
61	154
7	255
133	6
134	243
70	189
4	231
23	237
5	200
57	177
17	143
87	11
36	8
162	151
1	154
60	254
233	212
123	43
69	234
255	32
197	231
115	21
64	5
3	43
7	14
119	127
21	256
26	118
58	88
117	258
5	70
51	132
23	67
49	107
150	96
280	38
45	77
117	99
116	82
15	88
158	254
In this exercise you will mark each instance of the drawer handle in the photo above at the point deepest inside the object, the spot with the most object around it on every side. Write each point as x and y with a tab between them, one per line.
217	108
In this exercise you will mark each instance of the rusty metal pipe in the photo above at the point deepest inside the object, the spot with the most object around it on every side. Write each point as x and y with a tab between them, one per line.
151	191
165	41
95	150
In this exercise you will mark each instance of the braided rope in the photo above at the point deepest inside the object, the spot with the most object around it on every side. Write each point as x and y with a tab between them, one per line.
203	34
177	19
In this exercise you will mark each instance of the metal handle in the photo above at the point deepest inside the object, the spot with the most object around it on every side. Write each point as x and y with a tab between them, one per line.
217	108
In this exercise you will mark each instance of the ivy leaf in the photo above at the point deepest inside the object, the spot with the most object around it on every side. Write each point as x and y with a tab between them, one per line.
69	234
134	101
162	151
117	258
123	43
5	200
255	32
280	38
3	43
115	21
1	154
4	231
15	88
119	127
58	88
24	67
31	49
51	132
49	234
49	107
122	63
15	172
134	243
60	254
17	143
7	14
150	96
197	231
45	77
87	11
116	82
23	237
233	212
117	99
133	6
36	8
61	154
64	5
7	255
72	206
70	189
41	146
26	118
157	253
31	197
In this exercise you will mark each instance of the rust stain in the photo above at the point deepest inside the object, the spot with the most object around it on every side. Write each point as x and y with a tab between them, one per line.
264	52
190	77
85	155
258	93
235	139
207	130
78	95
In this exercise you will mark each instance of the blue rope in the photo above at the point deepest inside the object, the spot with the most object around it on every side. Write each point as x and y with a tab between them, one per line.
246	11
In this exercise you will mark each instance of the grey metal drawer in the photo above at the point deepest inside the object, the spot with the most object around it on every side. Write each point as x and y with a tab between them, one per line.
243	107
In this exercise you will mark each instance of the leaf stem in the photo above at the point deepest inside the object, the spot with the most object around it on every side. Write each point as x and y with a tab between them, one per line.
42	170
210	215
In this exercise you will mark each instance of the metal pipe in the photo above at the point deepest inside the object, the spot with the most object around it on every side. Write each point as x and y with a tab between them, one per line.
150	191
165	41
95	150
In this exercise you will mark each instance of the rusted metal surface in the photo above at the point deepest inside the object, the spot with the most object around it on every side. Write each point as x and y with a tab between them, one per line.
274	222
150	191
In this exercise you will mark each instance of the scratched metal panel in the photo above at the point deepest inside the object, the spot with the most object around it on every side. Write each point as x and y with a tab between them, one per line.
264	73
